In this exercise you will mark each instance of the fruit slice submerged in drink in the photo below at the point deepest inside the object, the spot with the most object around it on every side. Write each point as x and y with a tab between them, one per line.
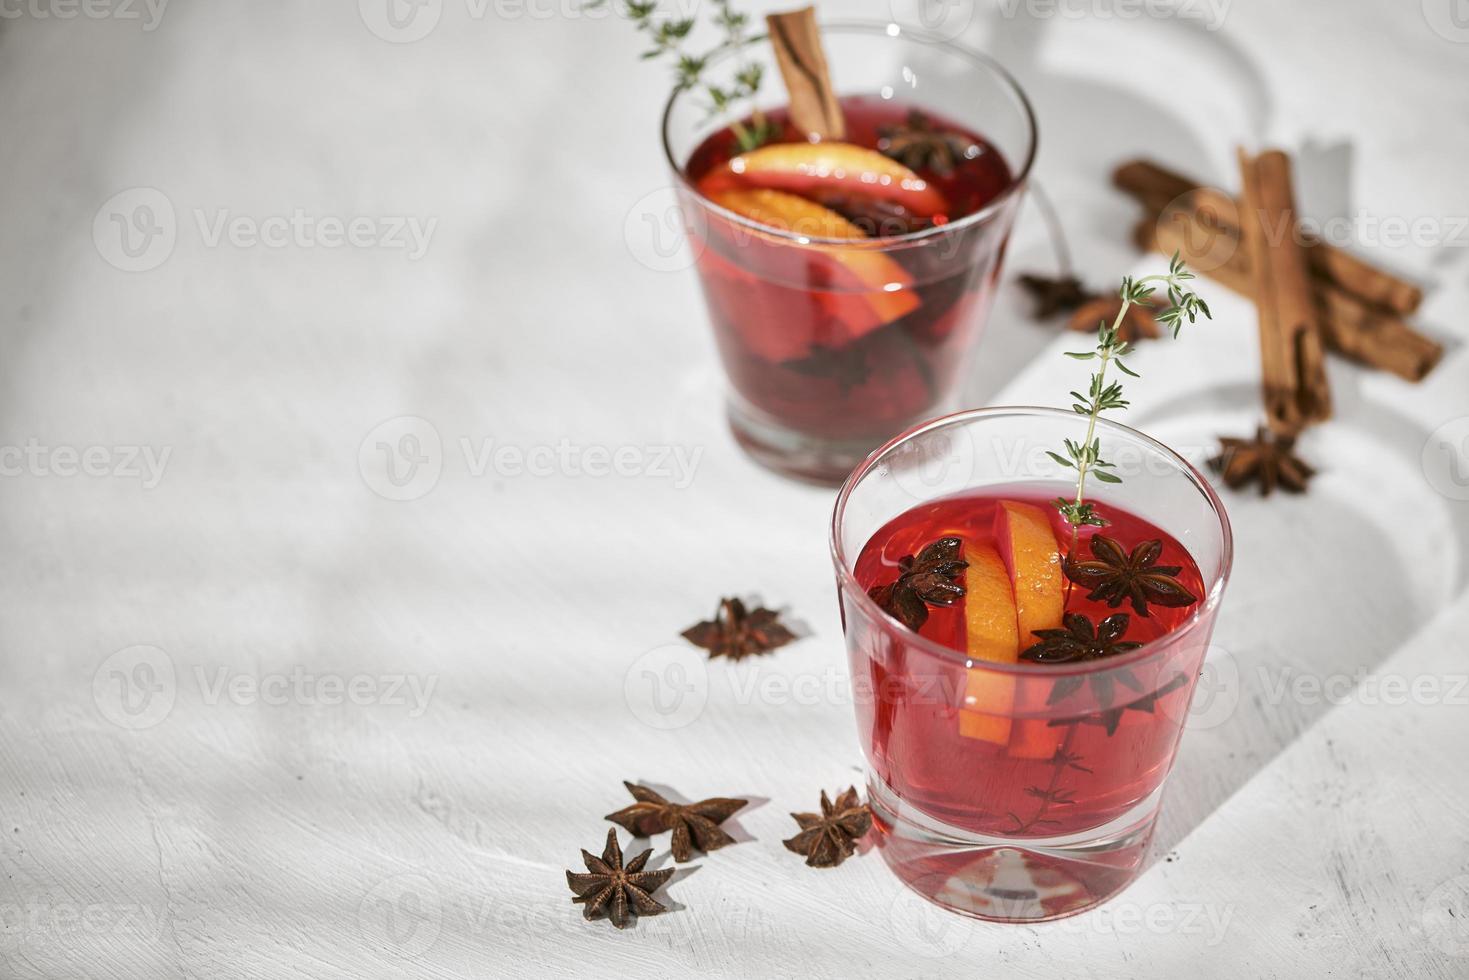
991	637
809	168
1031	554
878	288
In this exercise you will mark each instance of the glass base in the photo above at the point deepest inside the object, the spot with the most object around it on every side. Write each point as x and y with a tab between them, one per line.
1003	879
825	462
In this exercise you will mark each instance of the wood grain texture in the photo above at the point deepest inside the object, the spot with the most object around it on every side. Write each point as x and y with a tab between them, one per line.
216	833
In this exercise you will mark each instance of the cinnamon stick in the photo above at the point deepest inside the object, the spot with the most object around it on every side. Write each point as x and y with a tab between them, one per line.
797	43
1349	326
1156	187
1292	355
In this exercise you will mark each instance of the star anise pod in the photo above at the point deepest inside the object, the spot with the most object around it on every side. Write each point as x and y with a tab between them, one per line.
1138	323
927	580
1078	641
1116	577
1058	294
694	825
919	145
828	838
736	633
1267	459
610	888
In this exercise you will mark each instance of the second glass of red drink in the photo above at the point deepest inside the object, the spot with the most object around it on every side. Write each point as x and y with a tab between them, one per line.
848	281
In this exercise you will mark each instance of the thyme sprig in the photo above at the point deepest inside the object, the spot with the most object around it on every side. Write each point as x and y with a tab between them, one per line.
1086	456
667	38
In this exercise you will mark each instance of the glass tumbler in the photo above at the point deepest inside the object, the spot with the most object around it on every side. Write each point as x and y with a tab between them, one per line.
823	366
972	827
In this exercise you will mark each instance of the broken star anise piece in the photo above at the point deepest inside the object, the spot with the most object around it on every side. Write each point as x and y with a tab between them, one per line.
611	889
927	580
1140	322
736	633
1267	459
1079	641
828	838
1116	577
694	825
1059	294
919	145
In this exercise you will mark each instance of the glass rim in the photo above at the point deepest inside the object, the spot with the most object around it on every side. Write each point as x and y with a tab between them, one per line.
892	30
847	582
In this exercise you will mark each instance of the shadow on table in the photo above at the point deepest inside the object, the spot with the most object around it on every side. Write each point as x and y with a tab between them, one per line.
1086	127
1328	586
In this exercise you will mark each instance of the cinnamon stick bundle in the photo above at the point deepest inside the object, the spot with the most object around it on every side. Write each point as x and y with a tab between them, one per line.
1292	354
1349	326
802	62
1156	187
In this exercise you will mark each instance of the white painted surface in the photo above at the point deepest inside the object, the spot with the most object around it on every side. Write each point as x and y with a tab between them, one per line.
216	835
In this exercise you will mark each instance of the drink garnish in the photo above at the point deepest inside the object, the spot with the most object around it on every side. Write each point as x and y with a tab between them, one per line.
830	837
811	168
1086	456
1078	640
1267	459
667	36
695	826
1114	576
923	581
611	889
736	632
921	145
796	41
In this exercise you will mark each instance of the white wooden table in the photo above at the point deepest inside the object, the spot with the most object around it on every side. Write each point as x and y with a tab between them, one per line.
259	719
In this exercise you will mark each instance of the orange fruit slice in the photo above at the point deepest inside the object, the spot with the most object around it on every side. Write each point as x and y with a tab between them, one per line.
809	166
1030	551
991	636
885	283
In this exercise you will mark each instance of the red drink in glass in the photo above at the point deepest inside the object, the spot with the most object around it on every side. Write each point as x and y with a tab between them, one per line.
846	296
836	350
1009	782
